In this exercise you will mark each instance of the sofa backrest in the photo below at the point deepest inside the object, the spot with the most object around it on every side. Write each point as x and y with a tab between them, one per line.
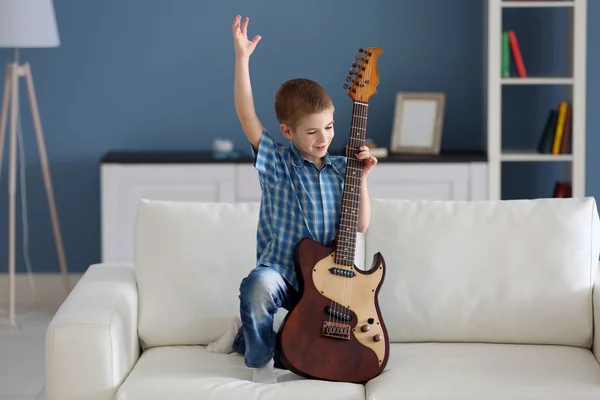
189	260
518	271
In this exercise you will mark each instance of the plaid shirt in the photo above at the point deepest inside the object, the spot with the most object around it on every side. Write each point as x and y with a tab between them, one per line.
298	201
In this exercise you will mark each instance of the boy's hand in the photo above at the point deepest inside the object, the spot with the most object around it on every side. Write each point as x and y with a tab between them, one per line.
368	160
243	46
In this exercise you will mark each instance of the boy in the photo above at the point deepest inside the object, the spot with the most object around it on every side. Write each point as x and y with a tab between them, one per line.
302	189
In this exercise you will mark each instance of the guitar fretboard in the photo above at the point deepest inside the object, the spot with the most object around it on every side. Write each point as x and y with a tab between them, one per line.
346	245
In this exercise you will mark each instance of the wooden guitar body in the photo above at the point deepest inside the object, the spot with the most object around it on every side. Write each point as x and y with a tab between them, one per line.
304	347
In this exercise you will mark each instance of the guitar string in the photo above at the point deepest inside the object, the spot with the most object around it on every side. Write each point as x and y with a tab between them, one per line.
353	145
347	240
362	135
356	197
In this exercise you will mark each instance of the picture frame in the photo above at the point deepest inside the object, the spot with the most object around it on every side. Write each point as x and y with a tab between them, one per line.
418	122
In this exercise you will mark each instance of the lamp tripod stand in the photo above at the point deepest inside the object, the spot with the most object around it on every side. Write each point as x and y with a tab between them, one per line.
14	72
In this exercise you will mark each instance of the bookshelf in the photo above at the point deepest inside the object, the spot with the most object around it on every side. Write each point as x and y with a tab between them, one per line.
573	81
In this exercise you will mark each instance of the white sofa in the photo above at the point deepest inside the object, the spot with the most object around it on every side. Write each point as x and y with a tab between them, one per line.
482	300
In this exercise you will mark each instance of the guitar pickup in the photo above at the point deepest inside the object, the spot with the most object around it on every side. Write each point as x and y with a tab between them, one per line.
338	312
346	273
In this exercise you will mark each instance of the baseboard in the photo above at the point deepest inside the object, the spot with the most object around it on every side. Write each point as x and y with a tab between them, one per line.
49	291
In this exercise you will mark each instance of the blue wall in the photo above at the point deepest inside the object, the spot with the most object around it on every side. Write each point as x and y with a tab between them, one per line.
153	74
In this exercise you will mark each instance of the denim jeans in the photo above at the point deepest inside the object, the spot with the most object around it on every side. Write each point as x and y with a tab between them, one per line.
262	293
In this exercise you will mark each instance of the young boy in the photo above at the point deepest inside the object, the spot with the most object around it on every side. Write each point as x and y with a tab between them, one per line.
302	187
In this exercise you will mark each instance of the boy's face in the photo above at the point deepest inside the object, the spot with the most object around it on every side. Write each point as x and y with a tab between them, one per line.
312	135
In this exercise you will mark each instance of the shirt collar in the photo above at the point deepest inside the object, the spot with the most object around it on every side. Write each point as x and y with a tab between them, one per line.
298	159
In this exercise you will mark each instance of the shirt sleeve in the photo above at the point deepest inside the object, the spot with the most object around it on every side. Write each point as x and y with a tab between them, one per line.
267	159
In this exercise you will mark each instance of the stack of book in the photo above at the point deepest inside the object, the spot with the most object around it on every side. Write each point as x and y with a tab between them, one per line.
556	136
510	45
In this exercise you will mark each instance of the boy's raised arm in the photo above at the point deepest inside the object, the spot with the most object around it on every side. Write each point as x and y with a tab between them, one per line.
242	89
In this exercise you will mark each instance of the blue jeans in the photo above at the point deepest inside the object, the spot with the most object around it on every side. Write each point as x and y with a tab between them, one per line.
262	293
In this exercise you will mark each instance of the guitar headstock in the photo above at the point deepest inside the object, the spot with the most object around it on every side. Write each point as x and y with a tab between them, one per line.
363	76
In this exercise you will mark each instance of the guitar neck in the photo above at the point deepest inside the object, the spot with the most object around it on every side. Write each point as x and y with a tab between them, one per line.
346	244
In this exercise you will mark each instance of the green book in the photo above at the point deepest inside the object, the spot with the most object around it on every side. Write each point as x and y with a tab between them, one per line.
505	55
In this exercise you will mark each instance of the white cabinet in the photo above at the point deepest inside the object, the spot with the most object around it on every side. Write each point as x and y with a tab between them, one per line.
124	184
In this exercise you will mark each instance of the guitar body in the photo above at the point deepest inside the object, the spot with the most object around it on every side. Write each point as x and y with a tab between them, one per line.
352	355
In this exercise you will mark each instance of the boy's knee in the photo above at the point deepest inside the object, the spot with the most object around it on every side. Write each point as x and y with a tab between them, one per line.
261	285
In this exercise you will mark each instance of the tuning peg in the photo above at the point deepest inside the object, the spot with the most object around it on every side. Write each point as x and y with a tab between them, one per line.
358	57
354	64
352	72
346	86
348	79
361	50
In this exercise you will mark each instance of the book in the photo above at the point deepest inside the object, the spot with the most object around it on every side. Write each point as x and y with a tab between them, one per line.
516	53
505	55
560	127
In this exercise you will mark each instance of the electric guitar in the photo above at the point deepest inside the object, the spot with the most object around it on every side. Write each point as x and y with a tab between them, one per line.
336	331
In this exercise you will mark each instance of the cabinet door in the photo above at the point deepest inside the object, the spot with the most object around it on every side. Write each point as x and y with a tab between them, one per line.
124	185
247	184
420	181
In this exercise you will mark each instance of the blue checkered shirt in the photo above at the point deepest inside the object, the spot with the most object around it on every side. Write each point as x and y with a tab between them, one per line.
298	201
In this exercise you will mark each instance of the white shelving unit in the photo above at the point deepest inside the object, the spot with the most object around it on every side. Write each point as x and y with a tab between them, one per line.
575	82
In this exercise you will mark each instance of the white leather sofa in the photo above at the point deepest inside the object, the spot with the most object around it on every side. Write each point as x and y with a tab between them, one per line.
482	300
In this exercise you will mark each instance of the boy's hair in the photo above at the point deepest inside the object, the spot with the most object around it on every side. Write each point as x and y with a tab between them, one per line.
299	97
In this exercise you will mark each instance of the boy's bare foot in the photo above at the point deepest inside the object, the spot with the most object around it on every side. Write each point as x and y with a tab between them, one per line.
225	343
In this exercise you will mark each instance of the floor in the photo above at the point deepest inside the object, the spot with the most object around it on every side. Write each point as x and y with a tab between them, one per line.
22	355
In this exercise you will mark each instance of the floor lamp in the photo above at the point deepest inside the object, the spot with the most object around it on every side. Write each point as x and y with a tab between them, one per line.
26	24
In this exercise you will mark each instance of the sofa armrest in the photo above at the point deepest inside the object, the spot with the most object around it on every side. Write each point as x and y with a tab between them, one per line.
596	308
92	341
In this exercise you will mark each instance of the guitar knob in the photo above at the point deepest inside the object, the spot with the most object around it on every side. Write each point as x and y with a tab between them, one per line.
377	338
365	327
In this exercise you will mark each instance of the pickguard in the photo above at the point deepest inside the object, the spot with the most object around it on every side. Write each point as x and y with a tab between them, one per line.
358	294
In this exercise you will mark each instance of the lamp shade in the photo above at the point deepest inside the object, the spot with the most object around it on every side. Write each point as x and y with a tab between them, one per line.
28	23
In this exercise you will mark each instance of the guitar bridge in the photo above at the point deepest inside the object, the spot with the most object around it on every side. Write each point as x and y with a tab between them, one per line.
336	330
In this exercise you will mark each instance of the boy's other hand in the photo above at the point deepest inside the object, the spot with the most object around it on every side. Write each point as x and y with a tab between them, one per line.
243	46
368	160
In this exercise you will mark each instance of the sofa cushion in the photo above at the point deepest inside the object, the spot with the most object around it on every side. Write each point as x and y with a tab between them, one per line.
515	271
190	372
459	371
189	261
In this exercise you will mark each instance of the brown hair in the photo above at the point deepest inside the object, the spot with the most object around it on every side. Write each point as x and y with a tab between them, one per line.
299	97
